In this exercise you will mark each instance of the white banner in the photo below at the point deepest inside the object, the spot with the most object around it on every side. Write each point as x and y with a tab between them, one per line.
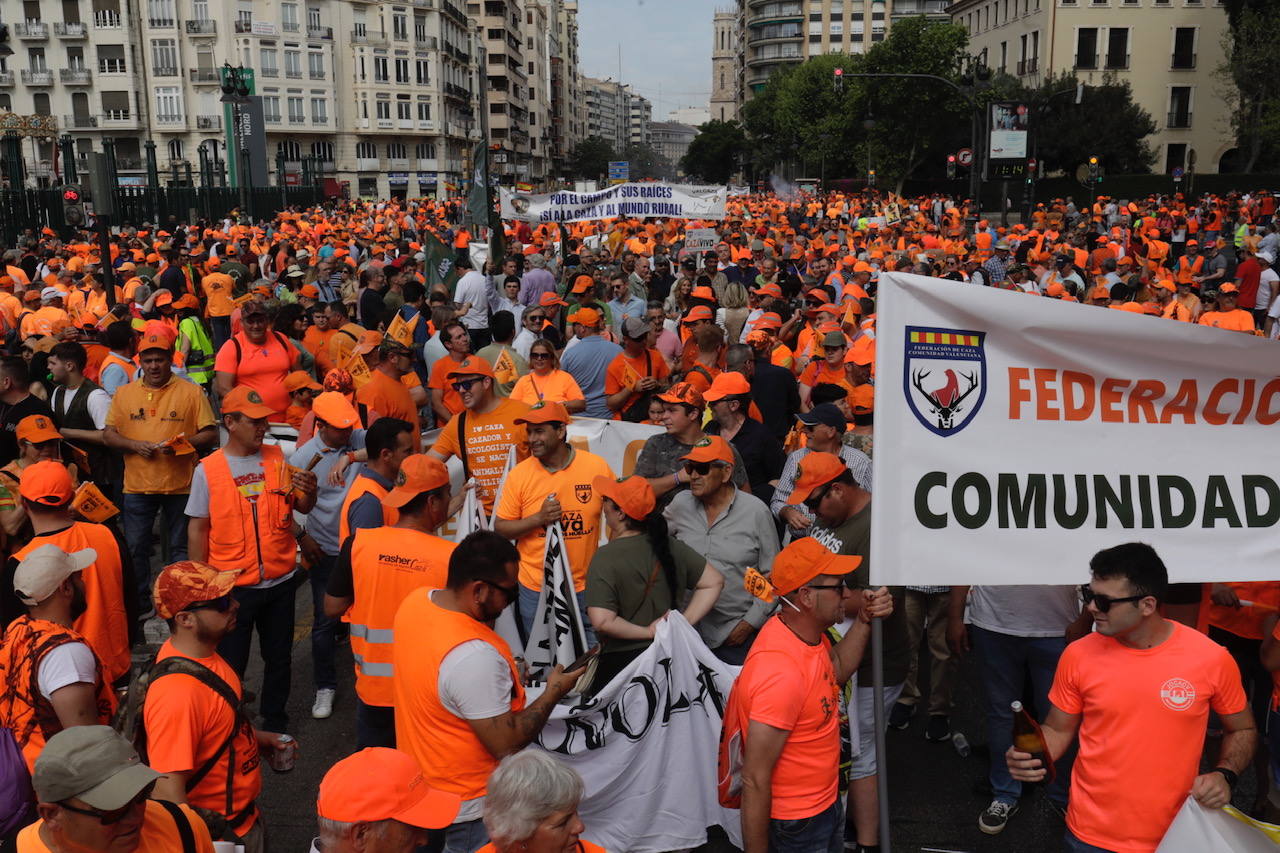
557	635
645	747
1199	830
668	201
1016	436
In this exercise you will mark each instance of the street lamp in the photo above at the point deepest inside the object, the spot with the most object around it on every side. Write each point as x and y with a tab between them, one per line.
235	91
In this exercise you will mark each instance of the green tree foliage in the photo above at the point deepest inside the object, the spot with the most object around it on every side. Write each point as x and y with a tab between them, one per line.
1248	81
1106	123
646	162
590	158
714	151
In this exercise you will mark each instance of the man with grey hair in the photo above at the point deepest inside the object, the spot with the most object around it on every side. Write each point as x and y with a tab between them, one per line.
525	791
536	281
376	800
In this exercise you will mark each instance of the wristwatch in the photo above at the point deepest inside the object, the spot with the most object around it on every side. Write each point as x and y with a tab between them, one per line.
1230	775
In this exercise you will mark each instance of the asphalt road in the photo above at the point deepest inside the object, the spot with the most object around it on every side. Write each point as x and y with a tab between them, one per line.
935	795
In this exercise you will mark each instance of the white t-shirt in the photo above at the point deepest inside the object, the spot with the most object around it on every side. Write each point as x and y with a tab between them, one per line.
98	403
1267	286
1274	313
473	288
1023	611
69	663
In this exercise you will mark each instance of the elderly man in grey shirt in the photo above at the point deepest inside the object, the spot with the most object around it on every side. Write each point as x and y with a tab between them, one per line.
735	531
536	281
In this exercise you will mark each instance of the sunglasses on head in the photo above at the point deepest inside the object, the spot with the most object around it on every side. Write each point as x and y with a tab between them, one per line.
107	818
1104	602
221	604
462	386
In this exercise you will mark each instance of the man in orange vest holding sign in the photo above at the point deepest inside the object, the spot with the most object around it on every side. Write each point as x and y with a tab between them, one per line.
376	569
252	492
459	698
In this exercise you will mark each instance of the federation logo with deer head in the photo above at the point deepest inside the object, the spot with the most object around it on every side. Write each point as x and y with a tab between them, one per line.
945	372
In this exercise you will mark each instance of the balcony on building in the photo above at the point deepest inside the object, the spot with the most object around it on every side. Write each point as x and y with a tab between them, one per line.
774	33
1117	61
165	71
165	23
75	76
107	19
368	164
1179	120
79	122
324	33
1028	66
37	77
1086	61
30	30
204	75
6	78
70	30
202	27
118	120
453	90
209	122
770	11
426	42
361	36
1183	62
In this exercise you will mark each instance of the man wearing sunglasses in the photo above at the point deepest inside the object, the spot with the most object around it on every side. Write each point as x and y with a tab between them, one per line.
203	743
1138	692
734	531
842	512
93	793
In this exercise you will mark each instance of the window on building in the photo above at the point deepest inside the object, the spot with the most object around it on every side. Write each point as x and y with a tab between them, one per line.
404	110
270	65
323	151
110	59
397	151
1118	47
315	64
271	107
402	71
1175	156
164	57
1184	48
294	105
366	151
424	111
1087	47
400	27
422	69
293	63
289	149
313	17
1179	106
169	104
320	110
289	17
175	149
383	109
380	69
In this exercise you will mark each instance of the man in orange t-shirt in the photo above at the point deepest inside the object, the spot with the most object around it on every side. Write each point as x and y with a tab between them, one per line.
1228	316
787	704
635	373
385	393
445	401
828	369
186	718
1138	693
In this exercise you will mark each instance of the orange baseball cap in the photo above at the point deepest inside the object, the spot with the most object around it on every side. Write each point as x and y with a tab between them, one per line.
335	409
767	320
181	585
586	317
1056	290
155	339
378	783
187	301
551	299
1229	287
1133	308
633	495
310	291
697	312
36	428
369	341
863	399
545	413
805	559
703	292
164	297
1100	292
816	470
472	365
711	448
1165	284
46	482
729	383
683	392
582	283
769	289
862	351
299	379
247	402
418	473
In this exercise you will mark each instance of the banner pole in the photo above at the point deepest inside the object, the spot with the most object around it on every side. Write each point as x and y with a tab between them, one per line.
877	713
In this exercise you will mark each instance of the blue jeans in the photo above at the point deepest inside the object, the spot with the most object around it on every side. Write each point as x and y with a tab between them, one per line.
375	725
822	832
1005	660
527	608
467	837
220	329
1075	845
140	513
269	610
323	629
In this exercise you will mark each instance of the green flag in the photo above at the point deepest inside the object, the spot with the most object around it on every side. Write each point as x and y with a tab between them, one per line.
439	264
478	200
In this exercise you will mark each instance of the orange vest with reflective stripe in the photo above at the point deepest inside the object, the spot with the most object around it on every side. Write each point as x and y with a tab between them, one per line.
254	538
359	488
387	563
452	758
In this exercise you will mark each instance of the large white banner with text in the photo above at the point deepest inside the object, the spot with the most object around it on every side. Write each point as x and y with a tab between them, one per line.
626	201
1016	436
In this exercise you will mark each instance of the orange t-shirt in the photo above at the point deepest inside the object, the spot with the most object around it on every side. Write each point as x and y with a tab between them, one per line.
523	493
186	722
559	386
790	685
157	835
489	438
438	380
1242	621
218	287
262	367
1143	717
143	413
625	371
697	375
1238	320
391	398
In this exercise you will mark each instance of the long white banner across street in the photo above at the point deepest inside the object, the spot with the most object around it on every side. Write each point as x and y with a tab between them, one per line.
669	201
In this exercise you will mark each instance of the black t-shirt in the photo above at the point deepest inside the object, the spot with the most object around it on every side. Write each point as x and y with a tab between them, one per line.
372	307
762	453
174	281
10	415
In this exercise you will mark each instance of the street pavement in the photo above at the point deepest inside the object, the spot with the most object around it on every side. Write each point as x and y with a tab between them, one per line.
935	793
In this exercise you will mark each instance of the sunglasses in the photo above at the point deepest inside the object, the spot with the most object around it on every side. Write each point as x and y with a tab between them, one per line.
462	386
534	318
1104	602
836	585
539	356
511	592
816	498
702	469
221	604
115	815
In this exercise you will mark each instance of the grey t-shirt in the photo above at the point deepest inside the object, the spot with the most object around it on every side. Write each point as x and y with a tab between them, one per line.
1023	611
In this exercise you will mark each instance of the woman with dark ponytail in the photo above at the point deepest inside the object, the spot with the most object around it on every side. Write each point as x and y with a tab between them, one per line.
641	575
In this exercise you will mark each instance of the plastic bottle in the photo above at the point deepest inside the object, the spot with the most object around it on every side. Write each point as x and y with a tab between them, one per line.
961	743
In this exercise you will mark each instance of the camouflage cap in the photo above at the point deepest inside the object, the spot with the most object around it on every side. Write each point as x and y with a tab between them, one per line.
182	584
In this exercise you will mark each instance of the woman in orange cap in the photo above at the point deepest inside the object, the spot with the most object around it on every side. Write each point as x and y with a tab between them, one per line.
641	575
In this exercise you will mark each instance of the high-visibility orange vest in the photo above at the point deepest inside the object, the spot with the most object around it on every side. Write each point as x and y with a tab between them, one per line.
104	623
254	539
130	368
23	710
387	563
1186	270
452	758
363	485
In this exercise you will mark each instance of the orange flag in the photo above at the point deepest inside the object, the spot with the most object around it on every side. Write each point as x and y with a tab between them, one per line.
402	332
358	369
92	504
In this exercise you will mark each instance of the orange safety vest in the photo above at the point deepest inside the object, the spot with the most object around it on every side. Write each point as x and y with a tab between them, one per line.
1187	270
252	538
130	369
452	758
387	563
363	485
23	710
104	623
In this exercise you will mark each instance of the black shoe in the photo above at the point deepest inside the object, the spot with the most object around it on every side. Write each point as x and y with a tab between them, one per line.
993	820
900	715
939	728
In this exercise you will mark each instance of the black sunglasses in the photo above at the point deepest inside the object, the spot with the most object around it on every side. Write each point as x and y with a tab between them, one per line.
462	386
538	356
115	815
534	317
816	497
836	585
702	469
221	604
511	592
1104	602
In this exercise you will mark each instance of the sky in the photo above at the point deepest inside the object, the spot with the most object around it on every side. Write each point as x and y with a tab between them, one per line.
666	48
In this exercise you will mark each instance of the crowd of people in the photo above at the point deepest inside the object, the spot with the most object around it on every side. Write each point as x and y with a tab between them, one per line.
152	376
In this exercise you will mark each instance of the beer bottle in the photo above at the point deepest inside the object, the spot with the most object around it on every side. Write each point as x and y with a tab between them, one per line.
1027	737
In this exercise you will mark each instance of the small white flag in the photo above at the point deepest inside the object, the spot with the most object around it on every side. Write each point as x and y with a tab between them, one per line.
557	636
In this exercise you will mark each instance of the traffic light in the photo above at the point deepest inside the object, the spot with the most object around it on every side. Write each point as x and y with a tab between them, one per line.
1031	170
951	165
1095	171
73	206
839	80
871	177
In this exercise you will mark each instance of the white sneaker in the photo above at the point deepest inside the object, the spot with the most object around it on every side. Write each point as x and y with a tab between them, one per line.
323	706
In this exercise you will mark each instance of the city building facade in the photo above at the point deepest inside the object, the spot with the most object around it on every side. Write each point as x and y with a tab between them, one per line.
724	66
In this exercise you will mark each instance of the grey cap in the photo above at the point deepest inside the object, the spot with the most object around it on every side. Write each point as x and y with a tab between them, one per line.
94	764
635	327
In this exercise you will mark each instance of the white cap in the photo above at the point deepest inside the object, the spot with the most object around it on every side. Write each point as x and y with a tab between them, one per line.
50	293
43	570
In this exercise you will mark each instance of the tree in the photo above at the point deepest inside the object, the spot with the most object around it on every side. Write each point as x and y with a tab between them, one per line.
1106	123
646	162
714	151
590	158
1249	84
